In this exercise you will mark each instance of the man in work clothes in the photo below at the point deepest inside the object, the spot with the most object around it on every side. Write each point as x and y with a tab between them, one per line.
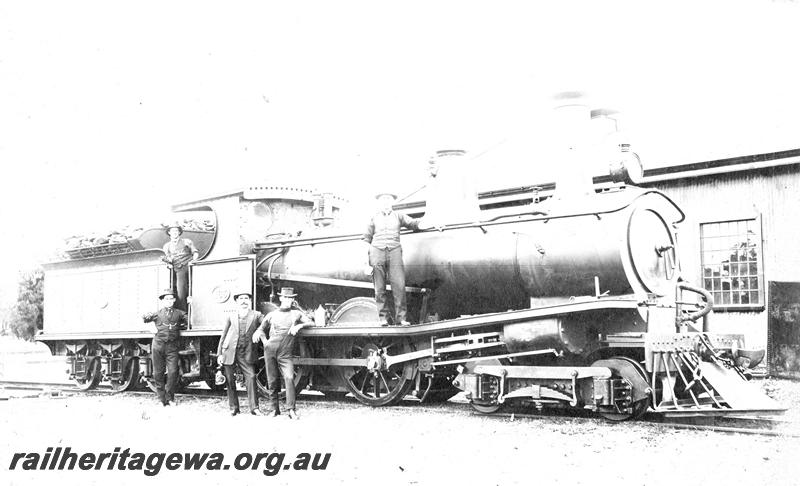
236	347
169	322
386	257
284	323
178	253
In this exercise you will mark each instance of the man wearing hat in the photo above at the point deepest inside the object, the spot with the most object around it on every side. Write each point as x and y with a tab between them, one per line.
169	322
283	323
236	347
178	253
386	257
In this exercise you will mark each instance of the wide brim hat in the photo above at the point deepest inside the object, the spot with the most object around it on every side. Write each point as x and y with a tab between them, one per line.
287	292
242	292
378	195
166	292
170	226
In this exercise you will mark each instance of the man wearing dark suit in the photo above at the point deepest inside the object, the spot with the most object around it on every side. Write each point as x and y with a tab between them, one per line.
236	347
169	322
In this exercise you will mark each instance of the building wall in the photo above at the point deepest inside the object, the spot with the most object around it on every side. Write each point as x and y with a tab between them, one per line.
774	195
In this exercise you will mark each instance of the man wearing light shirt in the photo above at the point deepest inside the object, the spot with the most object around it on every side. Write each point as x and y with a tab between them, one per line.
386	257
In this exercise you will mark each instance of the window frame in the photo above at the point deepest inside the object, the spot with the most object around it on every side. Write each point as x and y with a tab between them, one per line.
757	228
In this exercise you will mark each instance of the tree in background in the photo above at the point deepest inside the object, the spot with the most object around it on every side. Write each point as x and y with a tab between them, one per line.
26	315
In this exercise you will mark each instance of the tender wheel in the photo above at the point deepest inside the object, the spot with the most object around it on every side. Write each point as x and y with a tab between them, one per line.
631	370
93	375
130	376
377	386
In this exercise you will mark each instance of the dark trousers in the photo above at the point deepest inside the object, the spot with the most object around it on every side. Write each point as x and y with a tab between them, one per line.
249	373
165	359
181	286
277	359
391	262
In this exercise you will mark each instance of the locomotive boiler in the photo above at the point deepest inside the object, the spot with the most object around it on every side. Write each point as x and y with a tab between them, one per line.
569	297
621	245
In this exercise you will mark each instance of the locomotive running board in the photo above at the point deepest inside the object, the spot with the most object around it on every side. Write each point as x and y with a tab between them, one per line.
468	322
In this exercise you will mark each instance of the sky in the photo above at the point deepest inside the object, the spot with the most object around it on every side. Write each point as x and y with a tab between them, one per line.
112	111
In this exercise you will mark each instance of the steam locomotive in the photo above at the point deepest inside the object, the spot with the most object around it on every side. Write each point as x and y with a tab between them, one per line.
569	297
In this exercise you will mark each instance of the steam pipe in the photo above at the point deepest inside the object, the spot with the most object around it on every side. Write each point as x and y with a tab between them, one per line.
274	256
694	316
261	262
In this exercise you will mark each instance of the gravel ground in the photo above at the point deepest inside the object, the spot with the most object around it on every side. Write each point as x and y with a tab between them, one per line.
444	444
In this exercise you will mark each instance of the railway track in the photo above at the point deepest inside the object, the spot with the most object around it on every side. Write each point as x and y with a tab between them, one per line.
733	425
38	388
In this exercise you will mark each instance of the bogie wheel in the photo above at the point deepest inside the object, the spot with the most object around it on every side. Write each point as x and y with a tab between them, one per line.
378	386
488	404
93	375
486	408
130	376
639	408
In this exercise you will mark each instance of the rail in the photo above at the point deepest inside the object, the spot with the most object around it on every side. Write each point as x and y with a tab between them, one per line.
728	424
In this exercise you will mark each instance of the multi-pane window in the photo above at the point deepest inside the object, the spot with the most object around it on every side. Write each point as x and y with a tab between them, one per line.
731	259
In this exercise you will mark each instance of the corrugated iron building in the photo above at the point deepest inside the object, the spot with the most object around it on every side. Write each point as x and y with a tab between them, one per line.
740	241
